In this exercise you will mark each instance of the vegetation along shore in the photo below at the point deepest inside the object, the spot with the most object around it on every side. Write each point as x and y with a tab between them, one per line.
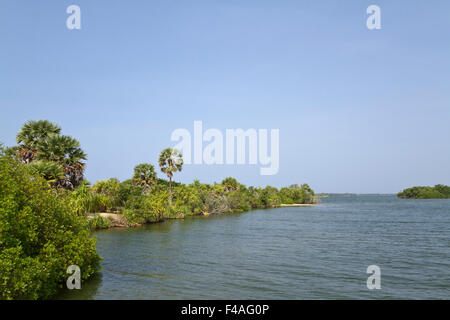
439	191
48	208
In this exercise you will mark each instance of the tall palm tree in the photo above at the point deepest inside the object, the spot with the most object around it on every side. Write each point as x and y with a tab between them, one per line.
170	161
59	148
65	151
40	144
30	135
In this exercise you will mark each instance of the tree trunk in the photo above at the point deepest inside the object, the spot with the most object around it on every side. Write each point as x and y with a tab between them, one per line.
170	191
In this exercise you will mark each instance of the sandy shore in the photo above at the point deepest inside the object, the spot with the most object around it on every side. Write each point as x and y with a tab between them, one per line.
297	205
119	221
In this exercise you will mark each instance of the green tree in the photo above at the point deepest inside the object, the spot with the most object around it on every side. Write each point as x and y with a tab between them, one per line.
40	236
144	176
41	141
65	151
127	191
170	161
443	189
108	192
31	135
230	184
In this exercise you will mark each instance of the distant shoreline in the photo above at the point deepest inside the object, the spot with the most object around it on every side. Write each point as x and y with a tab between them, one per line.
321	195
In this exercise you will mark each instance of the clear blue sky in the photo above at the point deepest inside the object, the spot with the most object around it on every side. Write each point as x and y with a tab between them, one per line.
358	110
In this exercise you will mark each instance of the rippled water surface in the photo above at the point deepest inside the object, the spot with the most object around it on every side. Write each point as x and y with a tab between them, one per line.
319	252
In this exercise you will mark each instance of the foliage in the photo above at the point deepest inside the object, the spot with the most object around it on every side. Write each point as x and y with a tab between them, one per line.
84	200
108	192
99	222
108	187
147	208
230	184
57	158
170	161
50	171
437	192
217	203
65	151
188	201
128	190
31	135
40	236
197	198
297	194
144	176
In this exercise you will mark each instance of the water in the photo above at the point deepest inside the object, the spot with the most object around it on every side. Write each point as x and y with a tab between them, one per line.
319	252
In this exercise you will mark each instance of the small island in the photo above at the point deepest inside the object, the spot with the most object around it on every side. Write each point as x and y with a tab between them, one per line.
439	191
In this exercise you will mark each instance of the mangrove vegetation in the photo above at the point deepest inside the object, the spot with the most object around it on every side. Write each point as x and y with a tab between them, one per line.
439	191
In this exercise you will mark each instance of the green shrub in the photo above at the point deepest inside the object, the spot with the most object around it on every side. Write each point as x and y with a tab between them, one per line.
109	193
40	236
84	200
99	222
147	208
187	200
444	190
128	190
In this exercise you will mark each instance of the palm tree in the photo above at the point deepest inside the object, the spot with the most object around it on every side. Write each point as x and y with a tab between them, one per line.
170	161
30	135
65	151
230	184
50	171
144	176
40	141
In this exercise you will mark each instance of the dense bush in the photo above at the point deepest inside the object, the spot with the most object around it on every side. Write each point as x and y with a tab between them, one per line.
99	222
197	198
148	207
187	200
40	236
437	192
109	192
128	190
84	200
297	194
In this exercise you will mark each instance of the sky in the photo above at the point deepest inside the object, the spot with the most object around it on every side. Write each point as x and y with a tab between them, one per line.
358	110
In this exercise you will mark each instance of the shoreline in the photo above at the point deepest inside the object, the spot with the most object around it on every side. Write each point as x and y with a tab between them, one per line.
283	205
117	220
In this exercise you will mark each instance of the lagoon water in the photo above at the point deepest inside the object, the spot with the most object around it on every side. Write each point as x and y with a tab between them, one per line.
319	252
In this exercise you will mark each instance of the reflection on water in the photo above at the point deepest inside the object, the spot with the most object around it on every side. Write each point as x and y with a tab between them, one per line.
89	289
319	252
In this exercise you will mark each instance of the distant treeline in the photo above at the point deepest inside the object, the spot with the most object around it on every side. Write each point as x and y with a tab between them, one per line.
439	191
